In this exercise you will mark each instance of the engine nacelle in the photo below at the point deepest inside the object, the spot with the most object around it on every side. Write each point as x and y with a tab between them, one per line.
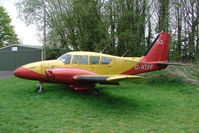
66	75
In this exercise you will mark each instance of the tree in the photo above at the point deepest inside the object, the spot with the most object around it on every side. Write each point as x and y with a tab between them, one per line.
127	21
7	35
75	25
120	25
163	15
191	19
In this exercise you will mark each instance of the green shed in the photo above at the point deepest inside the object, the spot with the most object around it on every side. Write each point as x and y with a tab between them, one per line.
14	56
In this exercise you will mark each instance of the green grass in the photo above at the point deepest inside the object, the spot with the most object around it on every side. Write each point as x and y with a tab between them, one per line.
131	107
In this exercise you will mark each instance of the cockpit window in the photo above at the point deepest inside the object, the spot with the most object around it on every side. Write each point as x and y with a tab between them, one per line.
106	60
94	59
65	58
80	59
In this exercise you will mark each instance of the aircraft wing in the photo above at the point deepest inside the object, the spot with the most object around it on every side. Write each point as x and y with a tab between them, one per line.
106	78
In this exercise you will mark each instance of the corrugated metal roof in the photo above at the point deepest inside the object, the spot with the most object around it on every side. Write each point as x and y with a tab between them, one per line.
27	46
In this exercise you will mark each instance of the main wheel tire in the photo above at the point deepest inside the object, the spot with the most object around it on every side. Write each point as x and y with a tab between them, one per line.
39	90
95	91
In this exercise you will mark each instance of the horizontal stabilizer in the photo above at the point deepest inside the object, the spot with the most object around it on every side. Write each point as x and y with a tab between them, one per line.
174	64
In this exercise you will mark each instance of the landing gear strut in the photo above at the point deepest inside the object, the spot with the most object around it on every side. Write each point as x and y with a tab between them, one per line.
40	88
95	91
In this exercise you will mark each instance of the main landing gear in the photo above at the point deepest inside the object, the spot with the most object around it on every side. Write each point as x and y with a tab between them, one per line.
95	91
39	89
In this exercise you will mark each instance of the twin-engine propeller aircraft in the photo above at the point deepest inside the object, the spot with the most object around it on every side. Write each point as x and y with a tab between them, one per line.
82	70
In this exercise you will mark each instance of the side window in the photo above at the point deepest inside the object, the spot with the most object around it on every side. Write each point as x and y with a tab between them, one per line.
94	59
106	60
80	59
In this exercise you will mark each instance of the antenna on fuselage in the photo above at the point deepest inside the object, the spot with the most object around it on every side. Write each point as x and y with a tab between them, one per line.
125	53
104	48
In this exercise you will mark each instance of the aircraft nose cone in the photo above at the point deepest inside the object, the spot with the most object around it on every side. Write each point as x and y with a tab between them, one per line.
26	73
20	72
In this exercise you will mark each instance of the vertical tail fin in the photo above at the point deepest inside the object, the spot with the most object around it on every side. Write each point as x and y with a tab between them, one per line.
158	51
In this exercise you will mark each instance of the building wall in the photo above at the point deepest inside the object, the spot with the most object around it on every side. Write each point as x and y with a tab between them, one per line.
11	58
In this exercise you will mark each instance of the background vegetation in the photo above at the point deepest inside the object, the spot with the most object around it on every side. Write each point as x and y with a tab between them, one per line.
121	24
7	35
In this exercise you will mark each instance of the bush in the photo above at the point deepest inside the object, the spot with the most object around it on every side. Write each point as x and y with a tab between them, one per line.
176	74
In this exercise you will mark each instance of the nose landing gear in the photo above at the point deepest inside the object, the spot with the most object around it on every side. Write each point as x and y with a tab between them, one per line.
39	89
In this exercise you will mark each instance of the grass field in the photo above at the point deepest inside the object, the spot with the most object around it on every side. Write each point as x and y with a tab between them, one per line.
167	107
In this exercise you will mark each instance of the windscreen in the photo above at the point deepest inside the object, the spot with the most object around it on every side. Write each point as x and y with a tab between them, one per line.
65	58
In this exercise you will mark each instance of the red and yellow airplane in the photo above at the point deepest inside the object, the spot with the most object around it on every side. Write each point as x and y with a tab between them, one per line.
82	70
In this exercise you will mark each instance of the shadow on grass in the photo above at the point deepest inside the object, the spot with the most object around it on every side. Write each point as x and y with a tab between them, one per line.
104	101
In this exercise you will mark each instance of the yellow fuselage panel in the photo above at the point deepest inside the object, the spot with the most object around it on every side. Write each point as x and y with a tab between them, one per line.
118	65
41	66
